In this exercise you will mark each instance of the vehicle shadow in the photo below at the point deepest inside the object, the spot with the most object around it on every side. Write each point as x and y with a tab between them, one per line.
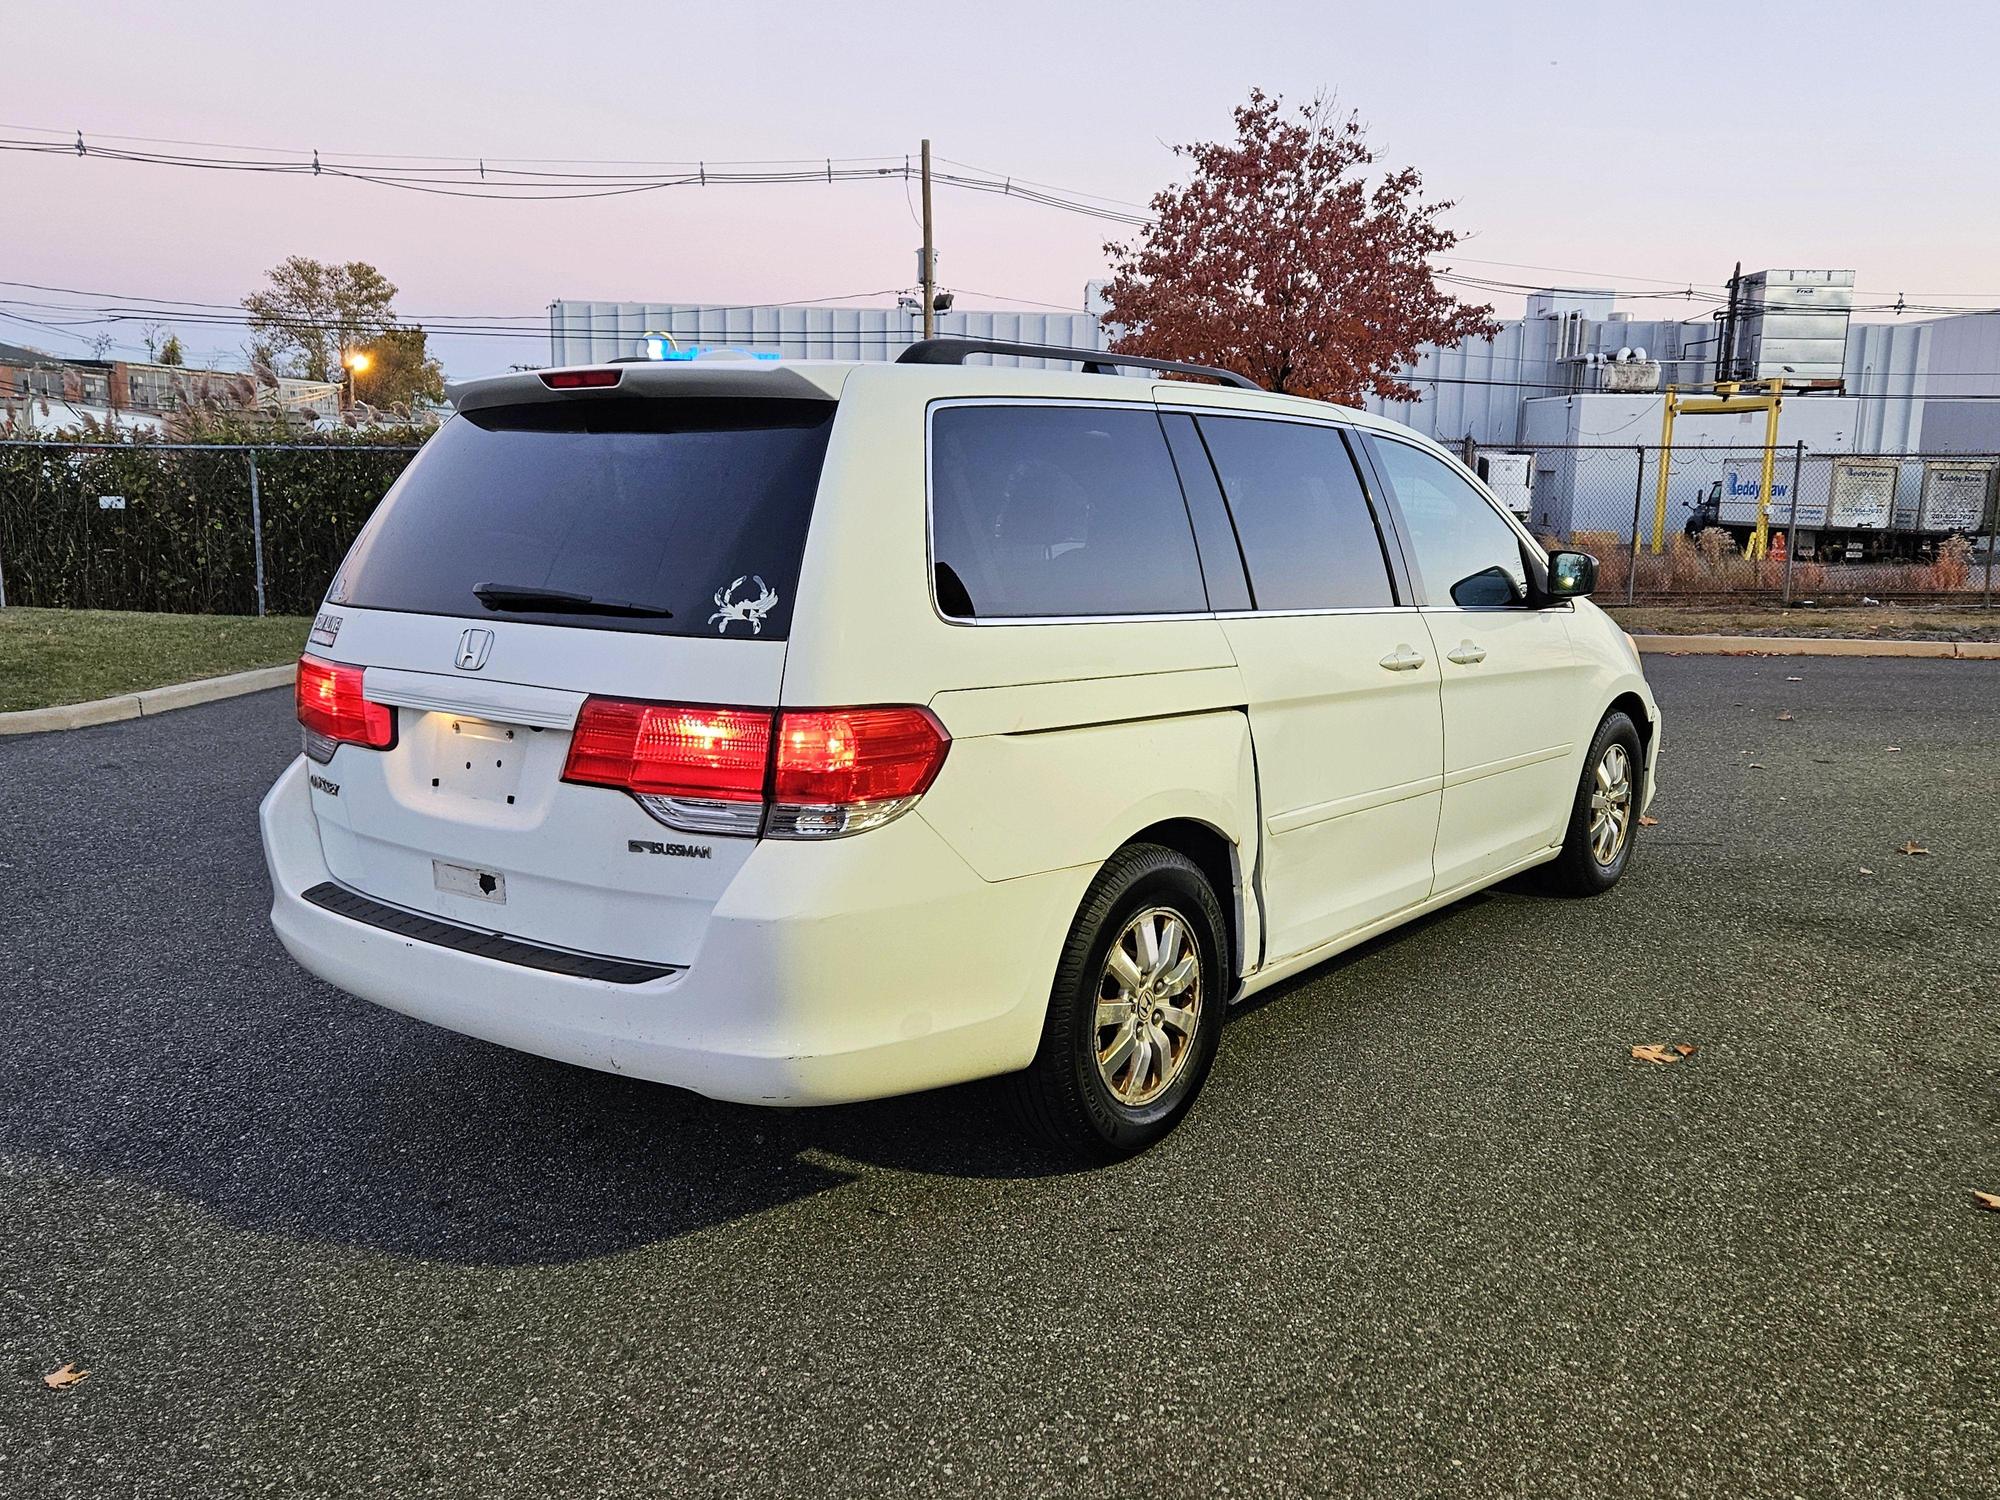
367	1129
159	1037
1519	888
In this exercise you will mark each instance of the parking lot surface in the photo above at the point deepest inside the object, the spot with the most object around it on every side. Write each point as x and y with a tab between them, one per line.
1431	1230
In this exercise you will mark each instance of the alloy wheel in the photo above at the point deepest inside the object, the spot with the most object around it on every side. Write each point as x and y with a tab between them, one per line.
1611	805
1148	1006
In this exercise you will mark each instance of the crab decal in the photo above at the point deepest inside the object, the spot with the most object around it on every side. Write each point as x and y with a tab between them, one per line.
751	611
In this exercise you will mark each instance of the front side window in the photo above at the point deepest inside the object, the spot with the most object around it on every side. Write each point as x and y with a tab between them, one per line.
1308	535
1049	511
1464	551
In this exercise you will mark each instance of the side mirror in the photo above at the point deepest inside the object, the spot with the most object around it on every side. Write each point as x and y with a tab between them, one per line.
1572	575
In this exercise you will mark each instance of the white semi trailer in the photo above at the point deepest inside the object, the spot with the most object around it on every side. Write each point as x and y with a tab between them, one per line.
1596	467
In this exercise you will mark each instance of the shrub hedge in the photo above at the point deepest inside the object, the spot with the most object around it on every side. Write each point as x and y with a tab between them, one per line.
183	540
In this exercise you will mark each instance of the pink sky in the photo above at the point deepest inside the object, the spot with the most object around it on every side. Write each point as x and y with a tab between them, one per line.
1613	142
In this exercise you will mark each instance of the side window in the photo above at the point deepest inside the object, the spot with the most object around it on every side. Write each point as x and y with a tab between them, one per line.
1309	538
1464	551
1058	510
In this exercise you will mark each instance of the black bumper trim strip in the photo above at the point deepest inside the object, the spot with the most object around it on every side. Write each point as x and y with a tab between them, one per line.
356	907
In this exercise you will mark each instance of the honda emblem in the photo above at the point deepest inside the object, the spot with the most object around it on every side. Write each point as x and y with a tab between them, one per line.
473	646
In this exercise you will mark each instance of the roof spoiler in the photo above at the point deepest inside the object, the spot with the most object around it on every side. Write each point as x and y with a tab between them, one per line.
953	351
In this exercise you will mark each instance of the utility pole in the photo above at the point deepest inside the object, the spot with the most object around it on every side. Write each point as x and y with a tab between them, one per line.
1725	358
929	253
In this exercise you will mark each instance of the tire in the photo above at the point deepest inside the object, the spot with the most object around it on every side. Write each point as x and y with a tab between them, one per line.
1582	868
1064	1097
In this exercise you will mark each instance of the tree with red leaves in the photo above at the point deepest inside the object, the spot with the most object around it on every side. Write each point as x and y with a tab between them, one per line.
1279	259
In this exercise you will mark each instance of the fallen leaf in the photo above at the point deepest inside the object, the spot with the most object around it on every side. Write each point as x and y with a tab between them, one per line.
1654	1052
1686	1049
1756	765
1646	822
69	1375
1987	1200
1911	846
1866	871
1784	716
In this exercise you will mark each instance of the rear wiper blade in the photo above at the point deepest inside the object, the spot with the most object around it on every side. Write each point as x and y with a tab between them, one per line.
561	601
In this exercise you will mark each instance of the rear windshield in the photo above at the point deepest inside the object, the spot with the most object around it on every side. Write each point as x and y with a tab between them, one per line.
690	514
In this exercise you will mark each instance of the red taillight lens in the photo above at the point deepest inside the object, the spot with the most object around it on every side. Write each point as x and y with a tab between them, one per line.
574	380
826	772
845	755
669	749
331	705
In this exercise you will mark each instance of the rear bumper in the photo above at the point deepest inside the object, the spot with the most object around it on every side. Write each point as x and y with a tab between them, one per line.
855	969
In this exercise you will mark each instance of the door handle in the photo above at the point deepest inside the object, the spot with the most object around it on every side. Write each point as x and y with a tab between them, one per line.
1465	654
1403	659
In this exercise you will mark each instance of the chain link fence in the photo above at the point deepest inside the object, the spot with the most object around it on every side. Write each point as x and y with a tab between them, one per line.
237	528
1838	526
196	528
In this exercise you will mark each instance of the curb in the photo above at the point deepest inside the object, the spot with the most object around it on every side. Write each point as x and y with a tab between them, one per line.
145	704
1806	645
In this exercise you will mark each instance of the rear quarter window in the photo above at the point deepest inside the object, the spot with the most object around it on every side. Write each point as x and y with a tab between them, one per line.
1053	511
697	507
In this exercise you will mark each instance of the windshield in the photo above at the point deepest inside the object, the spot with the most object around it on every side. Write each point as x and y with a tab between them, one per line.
690	514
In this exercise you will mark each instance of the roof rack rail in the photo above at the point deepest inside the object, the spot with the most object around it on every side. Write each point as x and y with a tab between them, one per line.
953	351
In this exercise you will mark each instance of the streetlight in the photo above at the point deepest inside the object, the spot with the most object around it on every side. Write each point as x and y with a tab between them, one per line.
356	361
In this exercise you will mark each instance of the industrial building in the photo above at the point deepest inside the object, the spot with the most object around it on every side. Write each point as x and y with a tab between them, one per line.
1562	409
1796	327
1903	376
590	332
42	392
1877	432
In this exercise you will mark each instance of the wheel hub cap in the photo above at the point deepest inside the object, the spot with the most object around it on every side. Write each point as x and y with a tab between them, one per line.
1611	805
1148	1006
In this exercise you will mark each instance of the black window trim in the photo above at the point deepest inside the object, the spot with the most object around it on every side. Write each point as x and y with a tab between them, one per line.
1402	579
1534	559
1231	550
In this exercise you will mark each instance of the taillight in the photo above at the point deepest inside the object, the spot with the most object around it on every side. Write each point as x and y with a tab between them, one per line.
700	769
813	773
333	713
841	770
574	380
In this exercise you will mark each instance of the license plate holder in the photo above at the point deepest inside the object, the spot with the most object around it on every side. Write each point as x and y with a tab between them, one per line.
478	759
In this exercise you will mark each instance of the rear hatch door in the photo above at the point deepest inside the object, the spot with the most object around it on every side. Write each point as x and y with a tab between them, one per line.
536	553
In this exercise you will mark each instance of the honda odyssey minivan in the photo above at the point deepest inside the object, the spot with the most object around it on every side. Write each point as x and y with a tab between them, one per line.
806	732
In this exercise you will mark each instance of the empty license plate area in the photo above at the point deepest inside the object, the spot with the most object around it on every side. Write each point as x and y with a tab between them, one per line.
477	760
466	880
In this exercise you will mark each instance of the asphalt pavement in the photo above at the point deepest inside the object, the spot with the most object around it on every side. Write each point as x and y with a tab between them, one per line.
1432	1229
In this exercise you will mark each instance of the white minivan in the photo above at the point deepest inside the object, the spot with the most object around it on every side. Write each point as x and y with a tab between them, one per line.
806	732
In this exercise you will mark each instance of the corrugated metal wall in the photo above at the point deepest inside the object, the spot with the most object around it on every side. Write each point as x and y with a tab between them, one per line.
1474	389
1888	360
587	332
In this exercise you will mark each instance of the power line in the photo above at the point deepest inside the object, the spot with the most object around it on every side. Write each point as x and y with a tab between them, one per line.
537	179
511	181
168	307
1555	388
131	307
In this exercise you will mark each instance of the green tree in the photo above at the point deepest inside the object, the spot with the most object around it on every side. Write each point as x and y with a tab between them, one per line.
312	313
400	370
171	352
